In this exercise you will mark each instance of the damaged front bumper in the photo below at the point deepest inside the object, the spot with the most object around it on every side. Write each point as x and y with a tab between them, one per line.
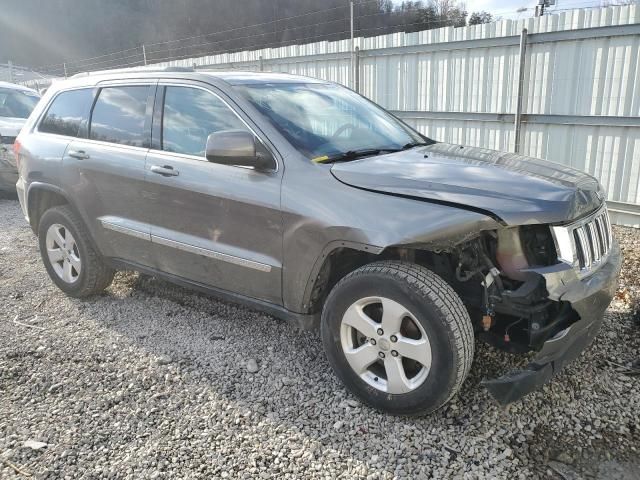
589	297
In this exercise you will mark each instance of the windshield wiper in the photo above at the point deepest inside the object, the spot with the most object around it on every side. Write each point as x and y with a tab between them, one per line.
365	152
414	144
354	154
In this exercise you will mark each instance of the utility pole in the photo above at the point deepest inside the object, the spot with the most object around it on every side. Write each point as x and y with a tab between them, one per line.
64	65
542	4
144	54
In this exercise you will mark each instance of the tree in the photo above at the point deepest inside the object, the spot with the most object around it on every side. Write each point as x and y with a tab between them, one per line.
477	18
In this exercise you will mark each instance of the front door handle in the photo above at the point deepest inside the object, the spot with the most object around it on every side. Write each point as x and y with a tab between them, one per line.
165	170
79	154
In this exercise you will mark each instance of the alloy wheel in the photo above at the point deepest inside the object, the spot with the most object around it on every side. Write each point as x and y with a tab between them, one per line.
385	345
63	253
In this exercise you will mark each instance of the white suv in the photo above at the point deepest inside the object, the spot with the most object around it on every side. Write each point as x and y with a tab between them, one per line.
16	104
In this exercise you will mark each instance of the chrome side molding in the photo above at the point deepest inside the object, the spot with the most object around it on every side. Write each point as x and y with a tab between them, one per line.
185	247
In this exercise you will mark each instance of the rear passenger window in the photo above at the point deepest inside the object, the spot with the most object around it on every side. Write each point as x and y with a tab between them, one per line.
190	116
67	112
119	115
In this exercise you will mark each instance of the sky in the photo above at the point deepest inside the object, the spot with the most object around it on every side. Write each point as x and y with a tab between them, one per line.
508	8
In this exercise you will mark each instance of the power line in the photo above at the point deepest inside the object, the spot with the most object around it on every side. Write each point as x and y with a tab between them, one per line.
341	20
255	24
241	49
111	60
60	66
283	19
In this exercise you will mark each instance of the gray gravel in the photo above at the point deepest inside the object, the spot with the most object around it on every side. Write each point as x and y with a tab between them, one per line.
153	381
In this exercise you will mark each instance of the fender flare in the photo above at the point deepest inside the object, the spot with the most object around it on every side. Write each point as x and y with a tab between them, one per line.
50	188
328	249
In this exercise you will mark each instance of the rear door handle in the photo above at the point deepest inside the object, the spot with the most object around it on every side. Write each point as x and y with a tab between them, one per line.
165	170
79	154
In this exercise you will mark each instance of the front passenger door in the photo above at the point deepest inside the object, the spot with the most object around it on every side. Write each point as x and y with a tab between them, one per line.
217	225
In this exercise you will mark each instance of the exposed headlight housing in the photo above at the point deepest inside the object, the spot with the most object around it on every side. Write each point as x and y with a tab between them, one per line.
523	247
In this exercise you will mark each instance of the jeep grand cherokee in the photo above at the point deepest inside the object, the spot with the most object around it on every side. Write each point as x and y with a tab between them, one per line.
303	199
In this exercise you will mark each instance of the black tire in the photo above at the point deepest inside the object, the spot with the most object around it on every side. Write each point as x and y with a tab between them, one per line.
95	275
434	304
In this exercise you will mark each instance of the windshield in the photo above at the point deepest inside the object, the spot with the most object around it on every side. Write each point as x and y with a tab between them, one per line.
17	103
326	120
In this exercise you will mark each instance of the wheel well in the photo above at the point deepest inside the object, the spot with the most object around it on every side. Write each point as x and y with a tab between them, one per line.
41	200
342	261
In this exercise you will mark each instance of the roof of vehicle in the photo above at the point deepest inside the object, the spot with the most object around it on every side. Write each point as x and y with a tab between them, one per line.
229	77
252	78
15	86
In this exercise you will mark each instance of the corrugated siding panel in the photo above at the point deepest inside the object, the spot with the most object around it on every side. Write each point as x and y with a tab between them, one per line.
585	77
494	135
612	154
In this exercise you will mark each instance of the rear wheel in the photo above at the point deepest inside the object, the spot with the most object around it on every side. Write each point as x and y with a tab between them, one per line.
69	256
398	336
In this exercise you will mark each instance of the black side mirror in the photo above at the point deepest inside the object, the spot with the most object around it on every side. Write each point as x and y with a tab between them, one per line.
240	148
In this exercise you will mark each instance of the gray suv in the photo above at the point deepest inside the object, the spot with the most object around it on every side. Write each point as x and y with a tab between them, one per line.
305	200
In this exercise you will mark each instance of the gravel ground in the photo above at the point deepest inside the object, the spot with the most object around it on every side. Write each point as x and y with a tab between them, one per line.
150	380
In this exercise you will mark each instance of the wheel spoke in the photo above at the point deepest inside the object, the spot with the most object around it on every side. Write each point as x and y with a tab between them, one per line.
356	318
360	358
71	242
58	238
54	238
66	271
392	315
75	262
418	350
55	254
397	381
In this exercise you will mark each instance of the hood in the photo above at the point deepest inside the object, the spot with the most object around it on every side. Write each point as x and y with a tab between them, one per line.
10	126
519	190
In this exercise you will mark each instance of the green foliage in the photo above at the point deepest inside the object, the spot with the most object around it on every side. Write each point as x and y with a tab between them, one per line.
477	18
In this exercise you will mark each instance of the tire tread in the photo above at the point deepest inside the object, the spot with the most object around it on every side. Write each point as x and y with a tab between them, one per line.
431	285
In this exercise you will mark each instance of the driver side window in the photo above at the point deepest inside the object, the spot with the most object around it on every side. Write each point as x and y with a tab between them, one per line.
190	115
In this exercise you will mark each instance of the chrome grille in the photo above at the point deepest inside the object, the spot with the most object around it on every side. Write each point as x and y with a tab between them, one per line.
585	244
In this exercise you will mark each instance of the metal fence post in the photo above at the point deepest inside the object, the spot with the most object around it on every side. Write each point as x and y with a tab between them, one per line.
353	53
356	70
261	63
520	90
144	54
64	65
10	65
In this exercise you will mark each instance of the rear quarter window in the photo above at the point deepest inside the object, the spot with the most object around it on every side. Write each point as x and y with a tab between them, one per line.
67	112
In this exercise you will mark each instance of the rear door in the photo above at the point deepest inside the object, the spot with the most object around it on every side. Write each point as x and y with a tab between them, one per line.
217	225
65	117
105	170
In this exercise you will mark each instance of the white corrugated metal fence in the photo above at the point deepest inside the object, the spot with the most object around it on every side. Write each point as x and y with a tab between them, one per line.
580	102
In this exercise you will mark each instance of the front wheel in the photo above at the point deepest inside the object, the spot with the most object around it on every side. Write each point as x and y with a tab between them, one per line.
398	336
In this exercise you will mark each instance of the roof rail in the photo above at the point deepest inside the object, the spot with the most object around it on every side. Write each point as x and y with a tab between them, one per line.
135	70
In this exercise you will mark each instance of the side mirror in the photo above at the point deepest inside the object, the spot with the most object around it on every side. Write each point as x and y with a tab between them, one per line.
240	148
